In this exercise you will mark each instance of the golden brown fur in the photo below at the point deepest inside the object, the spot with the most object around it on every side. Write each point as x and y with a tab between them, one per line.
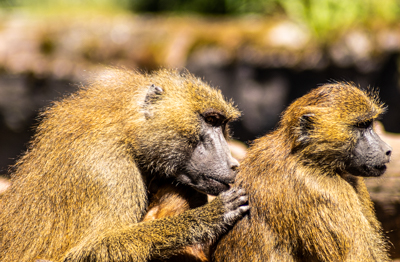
304	205
173	200
78	189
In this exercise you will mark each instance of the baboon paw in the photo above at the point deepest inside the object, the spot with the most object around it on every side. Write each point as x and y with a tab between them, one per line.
235	202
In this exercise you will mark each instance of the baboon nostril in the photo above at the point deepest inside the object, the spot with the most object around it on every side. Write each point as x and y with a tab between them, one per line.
234	168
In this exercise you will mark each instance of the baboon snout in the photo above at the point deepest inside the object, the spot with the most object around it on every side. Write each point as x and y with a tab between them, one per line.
386	151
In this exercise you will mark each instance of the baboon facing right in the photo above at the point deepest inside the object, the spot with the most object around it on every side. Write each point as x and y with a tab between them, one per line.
307	196
81	190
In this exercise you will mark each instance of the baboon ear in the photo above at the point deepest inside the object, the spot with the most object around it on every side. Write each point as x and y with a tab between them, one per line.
307	121
306	125
153	94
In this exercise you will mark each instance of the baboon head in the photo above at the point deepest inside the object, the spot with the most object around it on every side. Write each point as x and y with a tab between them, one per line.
183	130
332	126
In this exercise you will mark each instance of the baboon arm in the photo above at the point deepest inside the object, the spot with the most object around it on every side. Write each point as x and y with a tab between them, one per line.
151	239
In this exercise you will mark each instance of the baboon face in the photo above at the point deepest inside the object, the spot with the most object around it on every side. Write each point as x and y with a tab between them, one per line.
183	134
370	154
332	127
211	167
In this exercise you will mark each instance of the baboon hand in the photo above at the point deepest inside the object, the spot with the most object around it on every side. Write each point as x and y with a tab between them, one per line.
235	202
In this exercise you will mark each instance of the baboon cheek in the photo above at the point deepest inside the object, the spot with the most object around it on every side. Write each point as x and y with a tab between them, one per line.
211	167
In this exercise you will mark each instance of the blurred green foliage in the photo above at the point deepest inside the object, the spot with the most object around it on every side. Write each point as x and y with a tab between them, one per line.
323	17
56	6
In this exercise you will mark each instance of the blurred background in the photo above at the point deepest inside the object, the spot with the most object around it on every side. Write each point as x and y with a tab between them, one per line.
262	53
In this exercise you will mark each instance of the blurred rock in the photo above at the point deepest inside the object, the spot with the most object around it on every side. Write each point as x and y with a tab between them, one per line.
21	99
4	184
288	35
64	46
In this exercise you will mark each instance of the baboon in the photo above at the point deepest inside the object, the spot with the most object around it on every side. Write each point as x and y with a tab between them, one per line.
305	183
80	191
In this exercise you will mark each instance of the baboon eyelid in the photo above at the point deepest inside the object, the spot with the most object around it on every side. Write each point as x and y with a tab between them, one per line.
158	90
308	115
306	118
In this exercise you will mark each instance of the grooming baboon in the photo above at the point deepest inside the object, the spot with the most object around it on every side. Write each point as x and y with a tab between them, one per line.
81	190
306	192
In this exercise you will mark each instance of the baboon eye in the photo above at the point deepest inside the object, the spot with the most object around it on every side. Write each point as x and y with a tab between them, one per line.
364	124
214	119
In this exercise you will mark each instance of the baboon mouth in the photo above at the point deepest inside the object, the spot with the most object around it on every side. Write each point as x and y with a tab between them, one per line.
380	167
225	183
367	170
212	186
